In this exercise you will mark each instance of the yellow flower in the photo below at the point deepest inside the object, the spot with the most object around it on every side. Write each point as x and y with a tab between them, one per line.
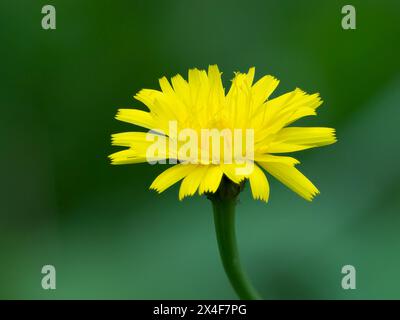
201	103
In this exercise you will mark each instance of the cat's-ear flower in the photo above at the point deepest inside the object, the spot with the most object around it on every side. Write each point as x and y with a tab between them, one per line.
218	140
201	103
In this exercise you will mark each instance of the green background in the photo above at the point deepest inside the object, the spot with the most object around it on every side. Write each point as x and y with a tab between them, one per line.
108	236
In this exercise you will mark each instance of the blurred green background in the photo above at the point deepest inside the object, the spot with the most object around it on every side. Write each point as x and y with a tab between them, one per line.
108	236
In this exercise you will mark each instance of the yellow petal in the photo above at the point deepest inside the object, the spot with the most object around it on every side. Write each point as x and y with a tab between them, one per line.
170	176
268	158
230	171
295	139
199	94
259	184
294	100
198	83
166	86
292	178
239	101
211	180
181	88
148	96
126	157
214	77
169	106
128	139
192	181
250	75
216	90
285	109
262	89
137	117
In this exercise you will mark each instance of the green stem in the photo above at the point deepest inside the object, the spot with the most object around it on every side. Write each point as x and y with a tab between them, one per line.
224	218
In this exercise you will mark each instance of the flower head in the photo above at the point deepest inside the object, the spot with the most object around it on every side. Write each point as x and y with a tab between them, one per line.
207	133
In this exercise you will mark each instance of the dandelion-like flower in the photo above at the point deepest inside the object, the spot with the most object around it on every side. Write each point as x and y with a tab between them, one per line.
216	141
202	103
